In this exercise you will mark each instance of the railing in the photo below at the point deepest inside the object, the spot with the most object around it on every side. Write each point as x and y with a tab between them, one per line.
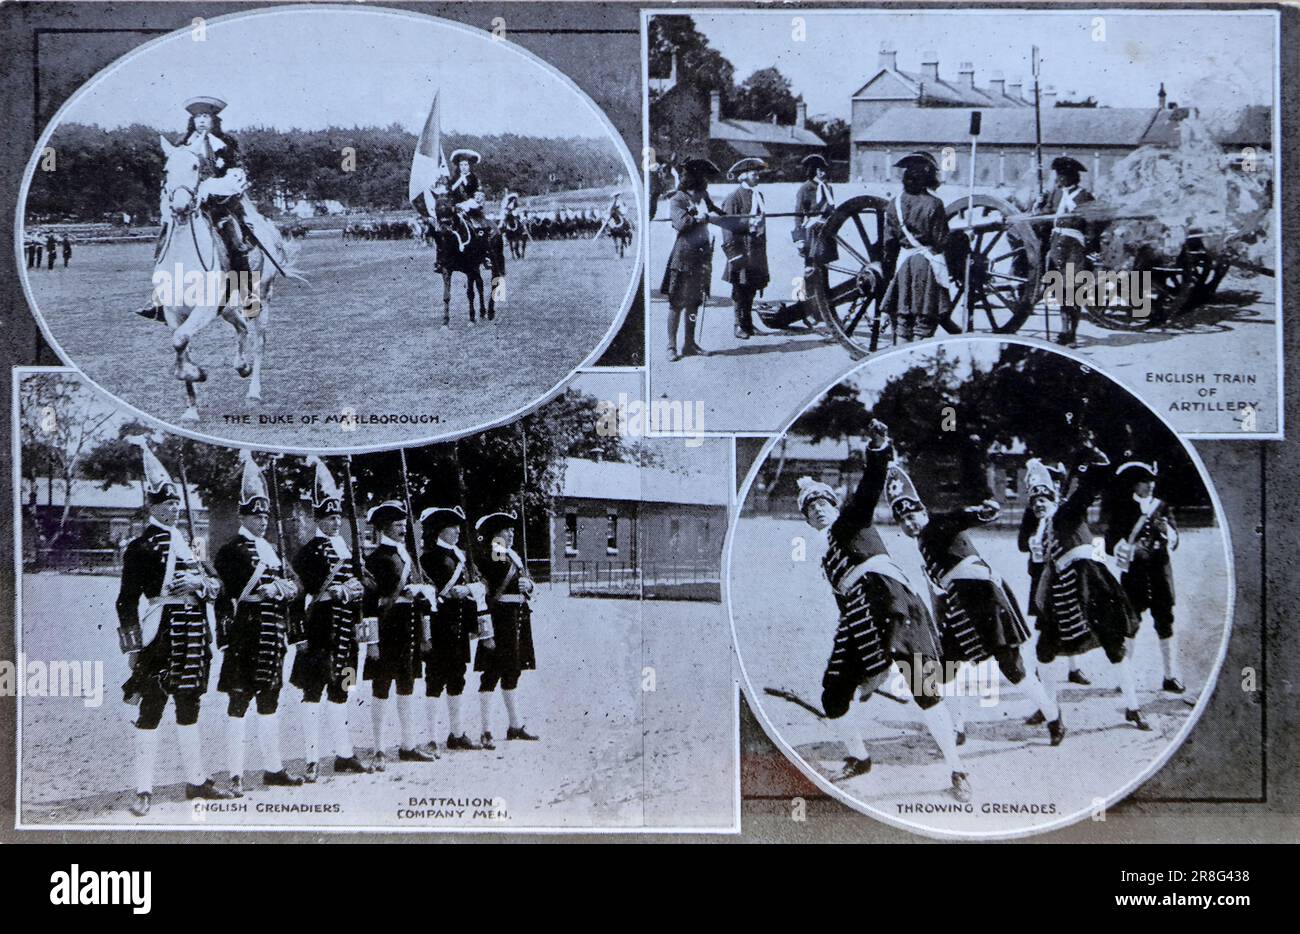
75	560
664	580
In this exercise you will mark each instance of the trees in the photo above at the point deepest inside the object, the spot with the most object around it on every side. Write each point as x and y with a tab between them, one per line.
698	63
764	94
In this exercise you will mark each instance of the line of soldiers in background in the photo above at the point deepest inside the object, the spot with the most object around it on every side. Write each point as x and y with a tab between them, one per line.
973	616
34	247
413	616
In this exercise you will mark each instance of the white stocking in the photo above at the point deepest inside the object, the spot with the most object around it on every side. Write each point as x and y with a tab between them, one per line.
453	714
268	740
512	708
337	716
146	753
1036	690
940	725
485	710
1126	683
191	753
379	713
1169	656
408	718
311	731
235	731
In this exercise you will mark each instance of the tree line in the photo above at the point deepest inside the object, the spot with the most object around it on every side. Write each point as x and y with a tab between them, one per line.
90	173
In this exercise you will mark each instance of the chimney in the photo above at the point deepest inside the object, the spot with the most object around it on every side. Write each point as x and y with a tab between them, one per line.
888	56
715	106
1049	96
967	72
998	84
800	115
1016	89
930	65
1162	96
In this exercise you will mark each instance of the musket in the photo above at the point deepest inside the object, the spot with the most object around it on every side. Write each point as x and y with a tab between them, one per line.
413	544
470	565
523	484
293	616
353	524
185	494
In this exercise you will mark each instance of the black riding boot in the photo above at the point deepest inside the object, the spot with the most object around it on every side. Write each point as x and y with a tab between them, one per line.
1069	325
690	348
742	300
674	320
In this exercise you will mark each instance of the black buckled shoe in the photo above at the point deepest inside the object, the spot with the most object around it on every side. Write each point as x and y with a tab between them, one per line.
521	733
461	743
236	786
1173	686
380	761
282	779
1037	718
312	773
961	737
485	741
1078	677
852	768
143	800
1135	717
414	755
1056	729
350	765
208	791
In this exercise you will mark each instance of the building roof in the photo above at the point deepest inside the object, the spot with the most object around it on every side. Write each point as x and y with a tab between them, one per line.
630	482
1252	125
954	93
759	131
801	448
90	494
1062	126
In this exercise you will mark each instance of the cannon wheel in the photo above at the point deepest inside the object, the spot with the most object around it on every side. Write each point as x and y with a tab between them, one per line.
846	289
1006	262
1186	282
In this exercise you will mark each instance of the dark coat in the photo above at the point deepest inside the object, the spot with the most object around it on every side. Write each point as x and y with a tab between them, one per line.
330	654
746	252
258	628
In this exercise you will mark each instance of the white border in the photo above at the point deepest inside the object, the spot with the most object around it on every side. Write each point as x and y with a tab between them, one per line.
1065	820
18	373
1279	197
620	145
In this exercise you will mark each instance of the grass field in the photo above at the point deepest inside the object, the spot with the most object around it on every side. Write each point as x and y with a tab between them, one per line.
785	620
363	335
617	750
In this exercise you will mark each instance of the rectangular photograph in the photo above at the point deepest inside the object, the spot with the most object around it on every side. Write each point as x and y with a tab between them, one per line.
827	185
518	631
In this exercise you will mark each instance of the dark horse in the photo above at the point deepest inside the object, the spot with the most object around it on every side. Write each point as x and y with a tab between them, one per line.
466	248
620	229
516	233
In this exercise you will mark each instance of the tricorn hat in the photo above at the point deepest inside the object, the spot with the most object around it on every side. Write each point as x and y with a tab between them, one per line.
698	170
253	498
750	164
814	161
1136	471
1068	165
205	105
488	526
439	517
158	484
388	511
917	158
811	490
326	497
459	154
900	492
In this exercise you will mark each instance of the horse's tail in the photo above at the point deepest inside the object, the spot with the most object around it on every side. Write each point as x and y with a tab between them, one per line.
282	251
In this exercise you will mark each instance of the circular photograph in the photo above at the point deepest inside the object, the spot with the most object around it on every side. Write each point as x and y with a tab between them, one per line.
978	589
329	228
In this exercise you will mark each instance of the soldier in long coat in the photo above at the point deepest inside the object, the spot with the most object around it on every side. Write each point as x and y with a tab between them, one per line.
919	295
257	592
456	619
1081	606
1142	535
977	613
509	652
883	621
690	265
745	248
169	646
813	203
402	608
1071	233
326	663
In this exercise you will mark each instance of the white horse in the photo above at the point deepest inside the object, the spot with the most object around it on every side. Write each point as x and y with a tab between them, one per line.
193	280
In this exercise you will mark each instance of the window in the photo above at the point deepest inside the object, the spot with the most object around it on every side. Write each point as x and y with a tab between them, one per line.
611	533
570	534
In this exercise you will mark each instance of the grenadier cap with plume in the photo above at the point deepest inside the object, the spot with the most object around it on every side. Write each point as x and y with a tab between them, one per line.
326	498
900	492
253	497
811	490
158	484
1040	480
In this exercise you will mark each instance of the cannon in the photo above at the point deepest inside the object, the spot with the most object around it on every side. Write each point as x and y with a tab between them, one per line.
1006	252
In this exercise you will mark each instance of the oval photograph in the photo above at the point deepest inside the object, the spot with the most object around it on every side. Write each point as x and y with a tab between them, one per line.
329	228
979	589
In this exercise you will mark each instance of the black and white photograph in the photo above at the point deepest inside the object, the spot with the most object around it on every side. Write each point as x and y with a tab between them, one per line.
979	590
325	228
520	630
827	184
